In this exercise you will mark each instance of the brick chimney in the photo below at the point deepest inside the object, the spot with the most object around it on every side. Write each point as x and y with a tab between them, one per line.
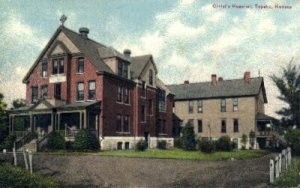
213	79
186	82
247	77
220	79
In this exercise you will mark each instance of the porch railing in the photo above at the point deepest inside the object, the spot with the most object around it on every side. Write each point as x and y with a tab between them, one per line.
73	133
20	134
265	133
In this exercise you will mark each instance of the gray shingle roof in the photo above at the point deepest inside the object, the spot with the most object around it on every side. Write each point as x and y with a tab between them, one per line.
138	63
225	88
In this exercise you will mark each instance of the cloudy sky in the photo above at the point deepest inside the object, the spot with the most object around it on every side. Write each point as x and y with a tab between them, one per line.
189	39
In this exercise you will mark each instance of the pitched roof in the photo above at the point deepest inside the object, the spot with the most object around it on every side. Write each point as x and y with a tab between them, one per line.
225	88
138	63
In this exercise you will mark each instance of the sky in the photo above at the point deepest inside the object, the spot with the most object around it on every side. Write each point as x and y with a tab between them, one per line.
189	39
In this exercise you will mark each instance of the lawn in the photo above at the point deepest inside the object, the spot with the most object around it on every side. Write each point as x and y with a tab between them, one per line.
180	154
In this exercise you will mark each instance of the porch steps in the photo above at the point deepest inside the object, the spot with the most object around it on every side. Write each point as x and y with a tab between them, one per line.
32	146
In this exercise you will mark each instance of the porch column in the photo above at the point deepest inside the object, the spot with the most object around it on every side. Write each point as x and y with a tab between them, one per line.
11	123
84	119
58	121
34	122
30	122
80	120
52	121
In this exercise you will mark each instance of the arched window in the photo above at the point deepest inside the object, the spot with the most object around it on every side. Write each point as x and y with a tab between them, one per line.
150	77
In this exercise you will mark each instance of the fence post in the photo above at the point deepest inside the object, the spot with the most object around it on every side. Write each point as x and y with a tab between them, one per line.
14	154
283	161
30	161
25	159
276	167
289	156
286	159
272	171
279	163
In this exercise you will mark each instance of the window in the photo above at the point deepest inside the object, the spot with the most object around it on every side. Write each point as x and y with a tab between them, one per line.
235	125
143	113
119	145
80	65
126	95
150	77
143	94
199	126
44	69
191	107
235	104
119	123
123	69
162	126
223	105
80	91
57	91
223	126
44	91
126	124
34	97
58	66
150	107
92	90
200	109
161	100
126	145
119	94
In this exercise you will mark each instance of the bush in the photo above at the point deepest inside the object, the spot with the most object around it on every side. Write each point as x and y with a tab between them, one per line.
244	141
141	145
8	142
177	142
224	143
207	146
86	141
69	145
11	176
293	140
56	141
188	138
162	144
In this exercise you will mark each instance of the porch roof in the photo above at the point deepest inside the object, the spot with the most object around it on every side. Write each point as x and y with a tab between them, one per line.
263	117
78	105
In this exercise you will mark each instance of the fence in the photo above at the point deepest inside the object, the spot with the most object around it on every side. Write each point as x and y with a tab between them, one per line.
279	164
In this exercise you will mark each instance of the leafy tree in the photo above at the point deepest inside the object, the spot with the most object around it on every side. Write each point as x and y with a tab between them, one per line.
3	119
288	84
188	137
17	103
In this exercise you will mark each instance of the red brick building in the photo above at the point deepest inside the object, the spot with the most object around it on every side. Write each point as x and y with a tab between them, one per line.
79	83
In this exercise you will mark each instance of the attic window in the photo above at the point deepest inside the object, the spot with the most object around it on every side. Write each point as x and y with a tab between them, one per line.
58	66
80	65
150	77
44	69
123	69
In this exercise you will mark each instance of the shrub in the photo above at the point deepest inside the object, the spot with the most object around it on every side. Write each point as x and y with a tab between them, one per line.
188	138
86	141
177	142
162	144
293	140
11	176
69	145
8	142
56	141
224	143
207	146
141	145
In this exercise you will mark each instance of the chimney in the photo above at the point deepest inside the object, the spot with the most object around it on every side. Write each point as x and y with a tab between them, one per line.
84	32
186	82
247	77
213	79
127	53
220	79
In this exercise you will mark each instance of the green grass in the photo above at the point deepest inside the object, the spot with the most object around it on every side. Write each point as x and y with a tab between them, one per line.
180	154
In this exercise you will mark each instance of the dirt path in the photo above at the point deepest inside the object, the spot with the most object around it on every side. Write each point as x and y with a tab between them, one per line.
98	171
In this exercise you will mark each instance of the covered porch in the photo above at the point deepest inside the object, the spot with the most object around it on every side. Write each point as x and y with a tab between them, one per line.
44	117
265	130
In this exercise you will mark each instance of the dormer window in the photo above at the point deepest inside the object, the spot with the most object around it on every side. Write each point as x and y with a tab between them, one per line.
58	66
150	77
44	69
80	65
123	69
